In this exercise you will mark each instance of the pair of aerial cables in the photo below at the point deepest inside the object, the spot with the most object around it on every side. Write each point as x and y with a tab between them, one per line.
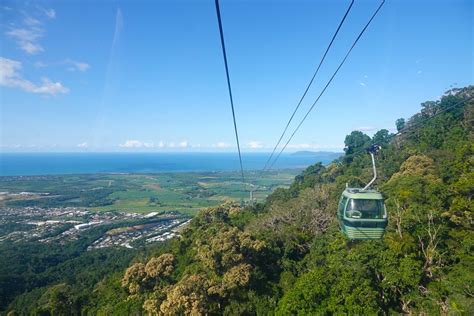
269	164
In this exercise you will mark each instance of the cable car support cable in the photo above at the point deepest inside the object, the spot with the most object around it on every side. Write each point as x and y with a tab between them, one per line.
328	83
221	32
309	84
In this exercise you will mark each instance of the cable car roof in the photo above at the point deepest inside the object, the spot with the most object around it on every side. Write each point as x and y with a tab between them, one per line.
357	193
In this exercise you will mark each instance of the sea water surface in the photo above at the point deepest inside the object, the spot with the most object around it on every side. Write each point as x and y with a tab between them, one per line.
22	164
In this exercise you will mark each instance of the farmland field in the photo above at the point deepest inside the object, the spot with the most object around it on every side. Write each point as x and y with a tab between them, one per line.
184	192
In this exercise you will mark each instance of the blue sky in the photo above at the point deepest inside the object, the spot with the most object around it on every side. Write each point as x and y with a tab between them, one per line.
149	75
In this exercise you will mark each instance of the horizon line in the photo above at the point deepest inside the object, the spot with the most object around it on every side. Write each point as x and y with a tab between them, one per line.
163	152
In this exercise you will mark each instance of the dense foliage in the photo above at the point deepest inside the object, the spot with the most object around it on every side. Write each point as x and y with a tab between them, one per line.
287	256
36	269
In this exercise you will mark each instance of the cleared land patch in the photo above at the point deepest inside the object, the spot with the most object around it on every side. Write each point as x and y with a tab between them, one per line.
184	192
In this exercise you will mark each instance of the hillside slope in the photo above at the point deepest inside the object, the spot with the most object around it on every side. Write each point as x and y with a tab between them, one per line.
287	256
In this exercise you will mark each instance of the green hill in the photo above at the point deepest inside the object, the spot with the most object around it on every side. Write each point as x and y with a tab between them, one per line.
286	256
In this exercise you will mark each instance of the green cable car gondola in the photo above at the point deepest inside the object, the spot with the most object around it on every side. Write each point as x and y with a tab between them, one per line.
361	212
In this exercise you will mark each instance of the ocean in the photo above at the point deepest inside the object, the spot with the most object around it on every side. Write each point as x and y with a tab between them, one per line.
24	164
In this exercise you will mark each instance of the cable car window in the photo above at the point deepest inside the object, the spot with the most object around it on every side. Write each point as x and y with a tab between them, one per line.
343	201
342	204
365	209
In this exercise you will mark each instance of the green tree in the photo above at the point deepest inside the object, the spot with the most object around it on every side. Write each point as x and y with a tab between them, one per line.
400	124
355	143
382	137
57	300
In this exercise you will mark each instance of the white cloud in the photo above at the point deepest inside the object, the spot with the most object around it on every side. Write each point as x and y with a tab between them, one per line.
27	39
255	144
47	87
16	146
82	66
136	144
221	145
362	84
83	145
28	36
77	65
31	48
11	77
132	144
73	65
31	21
50	13
366	128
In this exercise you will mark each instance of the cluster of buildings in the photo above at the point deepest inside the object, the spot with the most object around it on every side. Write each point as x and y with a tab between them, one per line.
66	224
130	236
